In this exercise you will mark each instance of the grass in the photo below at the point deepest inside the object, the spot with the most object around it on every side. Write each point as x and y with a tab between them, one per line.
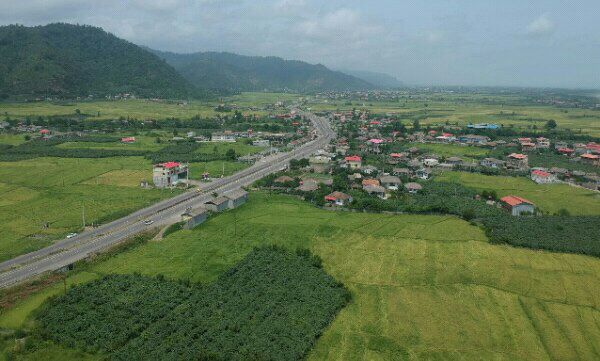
12	139
424	287
452	150
549	198
54	190
215	168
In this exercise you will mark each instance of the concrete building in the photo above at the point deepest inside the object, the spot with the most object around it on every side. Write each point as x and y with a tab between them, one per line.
194	218
390	182
517	161
543	177
169	174
353	162
320	163
218	204
413	188
338	198
223	137
236	198
517	205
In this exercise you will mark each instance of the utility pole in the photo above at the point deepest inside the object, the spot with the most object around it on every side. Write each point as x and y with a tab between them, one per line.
83	214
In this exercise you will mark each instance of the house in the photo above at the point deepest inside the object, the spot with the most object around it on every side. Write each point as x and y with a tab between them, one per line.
542	143
369	169
374	143
370	182
390	182
454	161
492	163
566	151
355	176
483	126
377	190
592	159
401	172
261	143
527	146
218	204
338	198
423	174
353	162
223	137
517	161
193	218
319	163
413	188
128	140
236	198
430	162
517	205
168	174
473	139
543	177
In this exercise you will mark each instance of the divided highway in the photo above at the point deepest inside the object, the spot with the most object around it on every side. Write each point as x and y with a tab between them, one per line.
68	251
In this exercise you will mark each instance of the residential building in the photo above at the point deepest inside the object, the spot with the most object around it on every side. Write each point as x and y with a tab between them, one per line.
338	198
377	190
261	143
223	137
353	162
517	161
390	182
492	163
413	188
473	139
423	174
543	177
592	159
517	205
369	169
454	161
320	163
128	140
430	162
169	174
401	172
542	143
308	185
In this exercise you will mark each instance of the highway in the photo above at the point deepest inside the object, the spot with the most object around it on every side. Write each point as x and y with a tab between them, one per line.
68	251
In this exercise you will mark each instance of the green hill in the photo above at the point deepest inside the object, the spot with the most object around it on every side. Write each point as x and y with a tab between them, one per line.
66	61
213	70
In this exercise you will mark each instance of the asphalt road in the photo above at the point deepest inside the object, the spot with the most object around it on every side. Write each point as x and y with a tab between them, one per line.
68	251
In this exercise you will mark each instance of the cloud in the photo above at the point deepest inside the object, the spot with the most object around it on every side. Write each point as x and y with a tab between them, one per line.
542	25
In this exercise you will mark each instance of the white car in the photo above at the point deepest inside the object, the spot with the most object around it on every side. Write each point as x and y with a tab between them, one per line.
71	235
148	222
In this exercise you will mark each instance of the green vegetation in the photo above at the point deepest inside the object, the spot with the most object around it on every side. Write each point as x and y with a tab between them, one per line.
452	150
422	286
211	70
53	191
271	305
70	60
549	198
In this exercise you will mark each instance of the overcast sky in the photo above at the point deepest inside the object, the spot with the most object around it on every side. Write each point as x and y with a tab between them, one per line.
433	42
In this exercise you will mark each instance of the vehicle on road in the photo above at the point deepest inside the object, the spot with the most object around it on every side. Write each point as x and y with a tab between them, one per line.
71	235
148	222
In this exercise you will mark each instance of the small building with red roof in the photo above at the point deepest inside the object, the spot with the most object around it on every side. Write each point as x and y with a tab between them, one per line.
517	161
338	198
567	151
353	162
517	205
542	177
169	174
128	140
592	159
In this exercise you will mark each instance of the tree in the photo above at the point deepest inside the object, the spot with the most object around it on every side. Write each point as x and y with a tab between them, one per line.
230	154
551	124
416	124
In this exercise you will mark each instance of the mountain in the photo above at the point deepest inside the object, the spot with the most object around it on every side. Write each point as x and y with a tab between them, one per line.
214	70
67	61
380	80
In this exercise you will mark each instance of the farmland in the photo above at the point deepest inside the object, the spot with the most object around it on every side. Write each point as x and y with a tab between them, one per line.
55	190
139	109
549	198
422	286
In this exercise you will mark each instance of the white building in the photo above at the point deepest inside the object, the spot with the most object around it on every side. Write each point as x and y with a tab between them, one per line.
169	174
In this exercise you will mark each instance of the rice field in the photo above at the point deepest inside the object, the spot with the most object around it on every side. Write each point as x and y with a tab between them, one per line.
423	287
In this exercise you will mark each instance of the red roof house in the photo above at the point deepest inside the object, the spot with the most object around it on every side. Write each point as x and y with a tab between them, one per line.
517	205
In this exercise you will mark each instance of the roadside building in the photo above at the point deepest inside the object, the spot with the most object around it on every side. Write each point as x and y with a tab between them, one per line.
543	177
236	198
169	174
517	205
413	188
338	198
353	162
194	218
218	204
226	136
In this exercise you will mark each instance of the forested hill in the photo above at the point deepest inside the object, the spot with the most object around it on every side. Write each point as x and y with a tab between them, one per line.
62	60
213	70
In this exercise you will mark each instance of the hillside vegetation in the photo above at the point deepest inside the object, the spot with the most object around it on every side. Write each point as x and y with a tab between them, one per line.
212	70
62	60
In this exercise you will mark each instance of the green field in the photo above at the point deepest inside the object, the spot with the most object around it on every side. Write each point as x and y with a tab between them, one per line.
549	198
423	287
142	109
12	139
55	190
452	150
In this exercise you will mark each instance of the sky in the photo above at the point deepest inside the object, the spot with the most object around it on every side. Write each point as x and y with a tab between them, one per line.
537	43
